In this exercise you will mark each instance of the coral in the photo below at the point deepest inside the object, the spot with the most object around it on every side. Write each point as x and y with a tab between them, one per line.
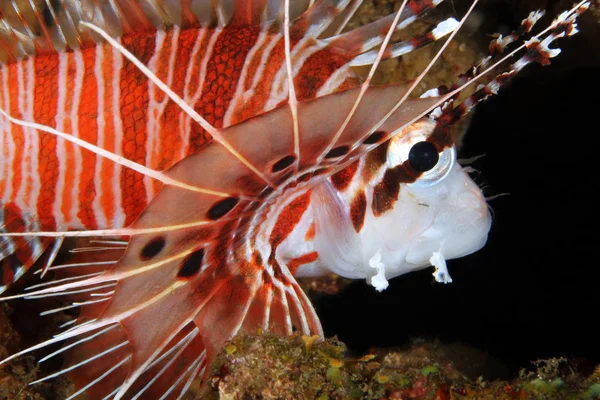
270	367
16	375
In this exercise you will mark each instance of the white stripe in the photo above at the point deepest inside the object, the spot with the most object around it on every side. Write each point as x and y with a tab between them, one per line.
335	80
187	95
6	127
239	91
185	119
24	167
34	141
76	97
184	131
101	123
155	108
3	140
258	76
119	218
299	54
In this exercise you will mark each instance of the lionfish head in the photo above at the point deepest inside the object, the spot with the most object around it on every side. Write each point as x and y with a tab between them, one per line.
425	208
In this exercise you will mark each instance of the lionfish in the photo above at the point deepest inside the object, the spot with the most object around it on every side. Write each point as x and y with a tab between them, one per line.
226	151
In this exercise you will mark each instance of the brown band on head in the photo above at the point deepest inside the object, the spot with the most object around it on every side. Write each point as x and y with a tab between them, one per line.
358	210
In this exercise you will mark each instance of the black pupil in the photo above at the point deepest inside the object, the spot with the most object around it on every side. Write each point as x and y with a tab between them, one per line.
423	156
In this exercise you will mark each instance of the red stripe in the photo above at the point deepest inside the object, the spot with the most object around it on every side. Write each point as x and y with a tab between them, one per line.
45	100
14	222
134	110
262	91
4	134
288	219
307	258
169	137
107	167
16	131
255	62
88	130
70	149
315	71
196	64
28	155
255	104
222	75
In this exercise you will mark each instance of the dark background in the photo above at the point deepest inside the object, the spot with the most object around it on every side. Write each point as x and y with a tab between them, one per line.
532	291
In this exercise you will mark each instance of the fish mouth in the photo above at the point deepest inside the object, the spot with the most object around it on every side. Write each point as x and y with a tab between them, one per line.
460	226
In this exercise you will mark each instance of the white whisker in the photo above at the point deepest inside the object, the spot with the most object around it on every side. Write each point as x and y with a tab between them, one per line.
193	375
564	16
418	80
365	85
92	249
111	242
134	375
468	161
174	348
71	322
77	327
111	394
398	49
79	364
74	305
178	381
73	265
292	100
58	338
102	294
104	375
73	278
348	17
494	197
113	276
188	339
111	232
52	255
42	296
70	346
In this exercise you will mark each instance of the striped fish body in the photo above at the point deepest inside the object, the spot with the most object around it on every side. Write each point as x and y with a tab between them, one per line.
228	74
174	139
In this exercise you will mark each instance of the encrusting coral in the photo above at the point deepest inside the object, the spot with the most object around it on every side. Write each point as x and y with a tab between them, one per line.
300	367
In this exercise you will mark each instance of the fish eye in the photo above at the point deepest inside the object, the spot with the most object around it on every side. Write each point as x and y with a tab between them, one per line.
439	165
416	149
423	156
